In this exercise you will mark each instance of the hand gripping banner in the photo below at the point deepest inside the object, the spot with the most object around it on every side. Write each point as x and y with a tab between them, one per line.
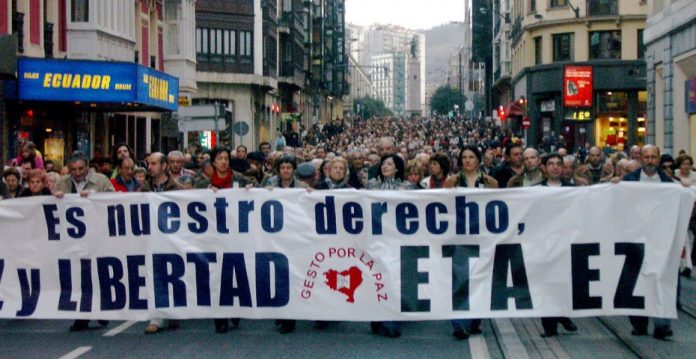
345	255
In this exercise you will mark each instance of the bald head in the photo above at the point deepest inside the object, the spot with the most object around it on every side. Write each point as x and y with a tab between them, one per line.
594	156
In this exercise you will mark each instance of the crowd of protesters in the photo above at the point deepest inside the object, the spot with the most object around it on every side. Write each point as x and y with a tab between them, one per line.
375	154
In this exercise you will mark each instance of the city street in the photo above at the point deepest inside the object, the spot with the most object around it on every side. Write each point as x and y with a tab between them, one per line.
607	337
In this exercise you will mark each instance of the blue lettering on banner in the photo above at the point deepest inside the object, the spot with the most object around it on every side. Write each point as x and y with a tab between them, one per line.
31	289
245	208
404	212
65	278
352	218
431	212
221	215
163	277
110	271
202	263
165	212
234	271
135	282
281	272
86	287
51	221
78	230
194	210
272	216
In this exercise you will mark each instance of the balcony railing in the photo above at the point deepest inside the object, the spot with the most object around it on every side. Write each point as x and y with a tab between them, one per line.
602	7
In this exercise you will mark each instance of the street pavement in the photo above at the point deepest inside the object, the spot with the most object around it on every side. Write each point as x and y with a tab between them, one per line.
606	337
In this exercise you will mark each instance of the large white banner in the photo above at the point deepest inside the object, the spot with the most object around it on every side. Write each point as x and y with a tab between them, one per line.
345	255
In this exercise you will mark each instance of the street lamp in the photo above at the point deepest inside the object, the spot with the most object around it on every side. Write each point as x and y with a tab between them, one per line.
484	11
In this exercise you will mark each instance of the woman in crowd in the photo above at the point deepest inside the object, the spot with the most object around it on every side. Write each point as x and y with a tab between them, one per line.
36	186
120	151
414	174
439	169
470	176
338	175
285	168
667	164
28	152
13	181
50	180
221	175
391	176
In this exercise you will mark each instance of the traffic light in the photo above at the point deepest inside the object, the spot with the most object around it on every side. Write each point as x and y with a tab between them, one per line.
501	113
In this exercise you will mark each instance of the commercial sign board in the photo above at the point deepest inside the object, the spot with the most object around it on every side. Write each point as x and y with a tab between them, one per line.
577	86
96	82
690	89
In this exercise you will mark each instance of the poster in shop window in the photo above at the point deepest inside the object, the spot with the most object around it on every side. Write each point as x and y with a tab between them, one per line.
577	86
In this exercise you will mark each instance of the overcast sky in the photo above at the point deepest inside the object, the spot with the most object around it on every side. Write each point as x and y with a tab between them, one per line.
413	14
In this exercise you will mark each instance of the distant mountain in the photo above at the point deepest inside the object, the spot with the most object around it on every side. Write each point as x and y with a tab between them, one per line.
440	43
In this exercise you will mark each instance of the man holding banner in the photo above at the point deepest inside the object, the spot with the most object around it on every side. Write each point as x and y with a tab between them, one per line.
650	172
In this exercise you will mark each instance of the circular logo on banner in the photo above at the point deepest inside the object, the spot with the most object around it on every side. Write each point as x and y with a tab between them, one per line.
342	271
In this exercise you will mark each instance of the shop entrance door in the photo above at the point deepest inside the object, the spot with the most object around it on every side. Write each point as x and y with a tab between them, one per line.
575	134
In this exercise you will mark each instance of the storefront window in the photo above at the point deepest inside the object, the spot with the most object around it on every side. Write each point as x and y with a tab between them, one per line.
612	120
641	130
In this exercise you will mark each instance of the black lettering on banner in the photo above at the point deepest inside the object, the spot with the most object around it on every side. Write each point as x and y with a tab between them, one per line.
135	282
65	279
624	297
411	277
30	291
202	263
51	221
509	254
110	272
325	216
460	255
234	271
263	280
583	275
163	277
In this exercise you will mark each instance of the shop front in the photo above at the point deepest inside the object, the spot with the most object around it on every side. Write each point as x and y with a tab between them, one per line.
596	103
68	105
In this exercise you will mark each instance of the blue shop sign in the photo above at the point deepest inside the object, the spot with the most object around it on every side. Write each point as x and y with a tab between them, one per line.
96	82
690	89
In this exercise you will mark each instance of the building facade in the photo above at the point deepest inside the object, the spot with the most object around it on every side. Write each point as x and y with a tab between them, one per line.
670	40
389	81
78	108
579	71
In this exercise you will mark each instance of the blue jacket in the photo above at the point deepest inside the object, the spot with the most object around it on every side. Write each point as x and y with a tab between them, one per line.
635	176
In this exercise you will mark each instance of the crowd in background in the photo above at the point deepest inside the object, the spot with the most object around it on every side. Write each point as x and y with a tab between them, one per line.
380	153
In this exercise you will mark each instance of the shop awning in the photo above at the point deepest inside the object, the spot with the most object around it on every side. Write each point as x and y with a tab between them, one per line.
101	84
514	108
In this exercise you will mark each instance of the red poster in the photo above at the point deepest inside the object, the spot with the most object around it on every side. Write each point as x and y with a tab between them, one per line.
577	86
4	28
35	22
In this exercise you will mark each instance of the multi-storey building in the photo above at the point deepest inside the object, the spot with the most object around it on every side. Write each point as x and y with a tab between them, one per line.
360	86
670	54
578	70
231	39
109	85
389	81
481	50
501	93
390	39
